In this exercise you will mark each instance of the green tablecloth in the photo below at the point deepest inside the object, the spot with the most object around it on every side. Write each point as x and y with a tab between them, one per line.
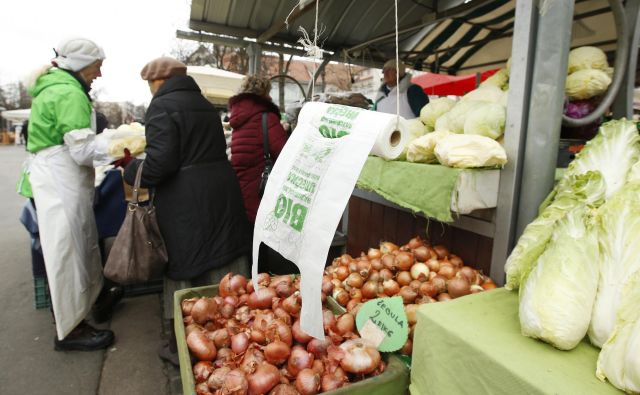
473	345
416	186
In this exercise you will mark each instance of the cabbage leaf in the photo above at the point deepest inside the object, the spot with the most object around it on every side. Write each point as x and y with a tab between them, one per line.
415	128
585	84
588	188
469	151
612	152
421	149
619	360
557	297
486	120
435	109
619	222
586	57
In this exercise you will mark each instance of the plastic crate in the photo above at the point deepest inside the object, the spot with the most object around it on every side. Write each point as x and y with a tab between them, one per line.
394	380
42	298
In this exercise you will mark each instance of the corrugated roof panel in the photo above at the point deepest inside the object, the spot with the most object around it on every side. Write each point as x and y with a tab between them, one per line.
495	50
590	5
450	61
240	13
432	34
264	16
217	11
197	10
497	11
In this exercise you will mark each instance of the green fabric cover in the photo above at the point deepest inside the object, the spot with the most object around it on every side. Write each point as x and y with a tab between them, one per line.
417	186
59	106
473	345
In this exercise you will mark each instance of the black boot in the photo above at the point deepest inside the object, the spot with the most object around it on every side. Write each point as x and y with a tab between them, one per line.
84	337
110	296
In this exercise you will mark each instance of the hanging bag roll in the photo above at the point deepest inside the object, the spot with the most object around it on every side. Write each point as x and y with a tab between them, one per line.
138	253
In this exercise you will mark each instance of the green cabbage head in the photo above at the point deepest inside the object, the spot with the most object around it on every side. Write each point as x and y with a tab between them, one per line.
435	109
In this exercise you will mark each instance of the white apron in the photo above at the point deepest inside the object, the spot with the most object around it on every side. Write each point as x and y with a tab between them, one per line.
63	192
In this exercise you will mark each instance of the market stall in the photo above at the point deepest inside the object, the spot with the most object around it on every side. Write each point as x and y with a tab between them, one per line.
467	215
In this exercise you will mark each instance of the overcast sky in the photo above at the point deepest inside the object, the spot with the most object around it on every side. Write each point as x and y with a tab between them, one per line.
132	32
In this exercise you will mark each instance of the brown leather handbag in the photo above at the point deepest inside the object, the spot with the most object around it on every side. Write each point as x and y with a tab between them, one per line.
138	253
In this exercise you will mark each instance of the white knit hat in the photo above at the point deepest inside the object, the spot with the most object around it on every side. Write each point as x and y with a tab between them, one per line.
77	53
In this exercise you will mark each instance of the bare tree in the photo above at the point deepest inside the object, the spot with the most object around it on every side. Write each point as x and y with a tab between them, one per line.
14	96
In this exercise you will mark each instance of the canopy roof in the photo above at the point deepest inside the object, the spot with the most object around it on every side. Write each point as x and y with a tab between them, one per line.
16	115
441	36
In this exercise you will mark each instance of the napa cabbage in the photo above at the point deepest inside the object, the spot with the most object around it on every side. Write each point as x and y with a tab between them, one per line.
557	297
588	188
619	222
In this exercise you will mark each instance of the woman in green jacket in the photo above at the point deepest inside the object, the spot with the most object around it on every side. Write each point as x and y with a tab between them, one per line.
61	139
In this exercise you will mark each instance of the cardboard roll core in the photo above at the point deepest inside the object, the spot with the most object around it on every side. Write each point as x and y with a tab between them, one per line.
395	138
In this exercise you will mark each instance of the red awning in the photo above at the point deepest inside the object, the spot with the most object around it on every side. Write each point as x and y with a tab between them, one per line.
445	85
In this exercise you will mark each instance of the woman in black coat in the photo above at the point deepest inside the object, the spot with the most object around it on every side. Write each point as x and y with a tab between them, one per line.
197	195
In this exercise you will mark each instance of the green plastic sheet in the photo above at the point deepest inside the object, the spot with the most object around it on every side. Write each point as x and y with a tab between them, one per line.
417	186
473	345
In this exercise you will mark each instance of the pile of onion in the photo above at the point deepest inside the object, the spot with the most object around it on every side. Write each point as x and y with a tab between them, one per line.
250	342
416	271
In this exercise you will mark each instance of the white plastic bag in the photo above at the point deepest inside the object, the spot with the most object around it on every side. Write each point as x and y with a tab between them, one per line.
310	185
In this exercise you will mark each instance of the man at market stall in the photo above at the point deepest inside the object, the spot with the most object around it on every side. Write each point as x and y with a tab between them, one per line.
198	201
412	97
61	139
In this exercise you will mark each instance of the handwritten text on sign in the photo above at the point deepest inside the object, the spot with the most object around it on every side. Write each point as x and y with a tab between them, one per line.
389	317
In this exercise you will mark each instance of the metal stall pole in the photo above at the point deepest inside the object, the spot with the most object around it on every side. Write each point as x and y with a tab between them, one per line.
545	110
623	104
522	55
255	53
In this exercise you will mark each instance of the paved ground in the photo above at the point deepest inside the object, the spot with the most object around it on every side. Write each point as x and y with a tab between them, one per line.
28	363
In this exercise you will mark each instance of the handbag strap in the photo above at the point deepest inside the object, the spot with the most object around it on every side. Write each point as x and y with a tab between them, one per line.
265	139
136	184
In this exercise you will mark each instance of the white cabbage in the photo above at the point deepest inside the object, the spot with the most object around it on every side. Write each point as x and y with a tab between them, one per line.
421	149
612	152
587	83
499	79
442	124
634	173
588	188
487	120
557	297
415	128
487	93
619	360
584	58
619	222
456	118
469	151
434	109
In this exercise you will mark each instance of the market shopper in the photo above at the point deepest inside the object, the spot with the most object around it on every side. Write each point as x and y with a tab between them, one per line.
61	132
247	109
197	196
412	97
247	152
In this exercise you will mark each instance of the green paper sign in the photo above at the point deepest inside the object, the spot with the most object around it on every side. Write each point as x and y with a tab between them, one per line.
384	322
